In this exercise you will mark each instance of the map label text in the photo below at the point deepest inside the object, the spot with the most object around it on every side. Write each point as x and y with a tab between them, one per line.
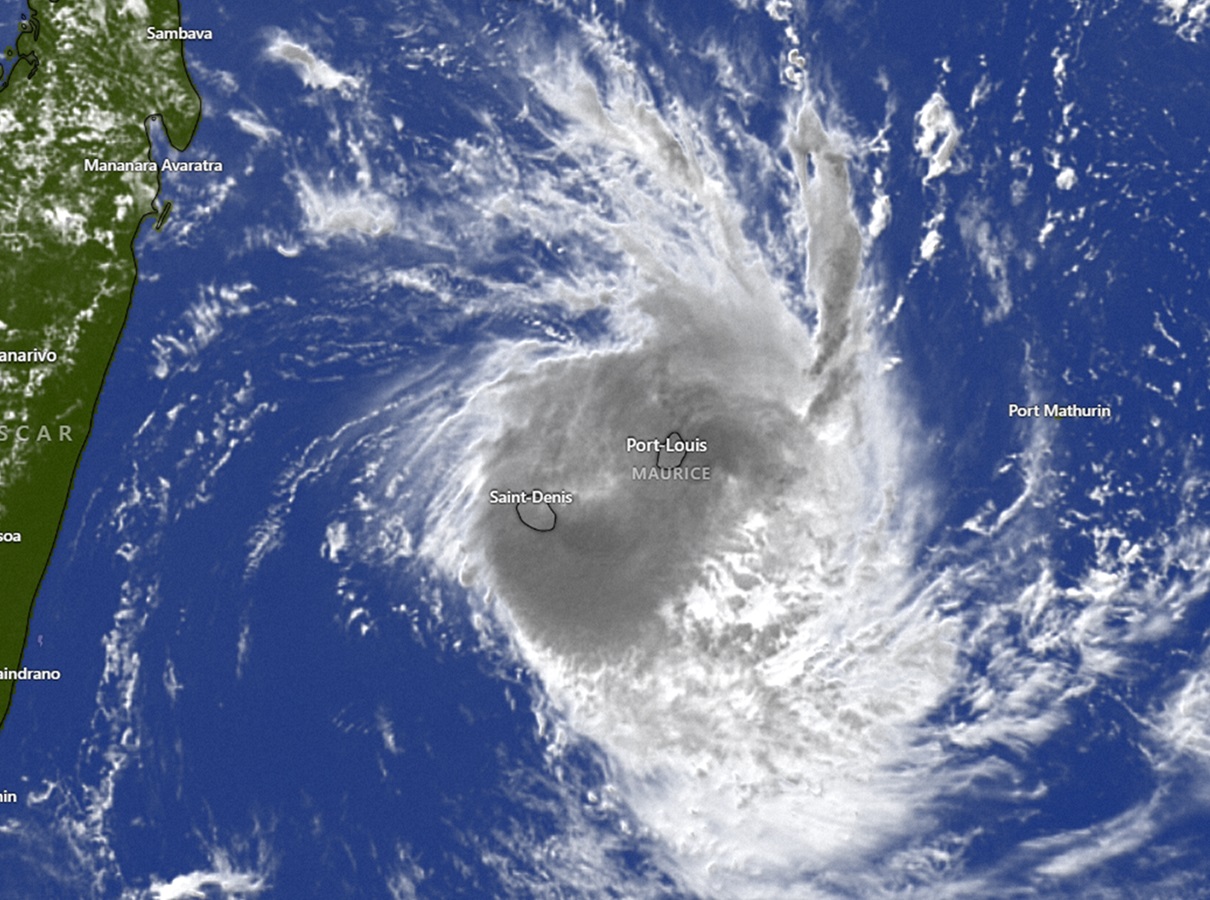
180	34
1058	411
92	164
28	356
24	674
43	433
659	473
534	496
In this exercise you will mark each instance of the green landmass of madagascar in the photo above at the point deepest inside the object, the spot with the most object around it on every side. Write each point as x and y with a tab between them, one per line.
84	83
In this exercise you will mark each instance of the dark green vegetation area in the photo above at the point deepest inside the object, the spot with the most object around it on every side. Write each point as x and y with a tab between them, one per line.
83	85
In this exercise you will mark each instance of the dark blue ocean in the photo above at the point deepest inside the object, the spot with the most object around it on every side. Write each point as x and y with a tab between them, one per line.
12	11
273	688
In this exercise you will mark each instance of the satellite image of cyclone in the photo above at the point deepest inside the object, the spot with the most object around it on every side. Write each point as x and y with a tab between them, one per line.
646	449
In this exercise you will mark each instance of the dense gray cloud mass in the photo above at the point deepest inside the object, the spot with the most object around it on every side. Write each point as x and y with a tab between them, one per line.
729	365
727	641
724	372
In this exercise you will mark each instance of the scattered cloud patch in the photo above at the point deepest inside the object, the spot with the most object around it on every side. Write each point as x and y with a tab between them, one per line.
993	248
136	9
253	124
880	215
329	212
937	135
1188	17
314	72
203	884
931	244
202	323
1183	725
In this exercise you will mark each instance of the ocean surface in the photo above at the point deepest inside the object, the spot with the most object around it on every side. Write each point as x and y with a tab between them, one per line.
905	644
